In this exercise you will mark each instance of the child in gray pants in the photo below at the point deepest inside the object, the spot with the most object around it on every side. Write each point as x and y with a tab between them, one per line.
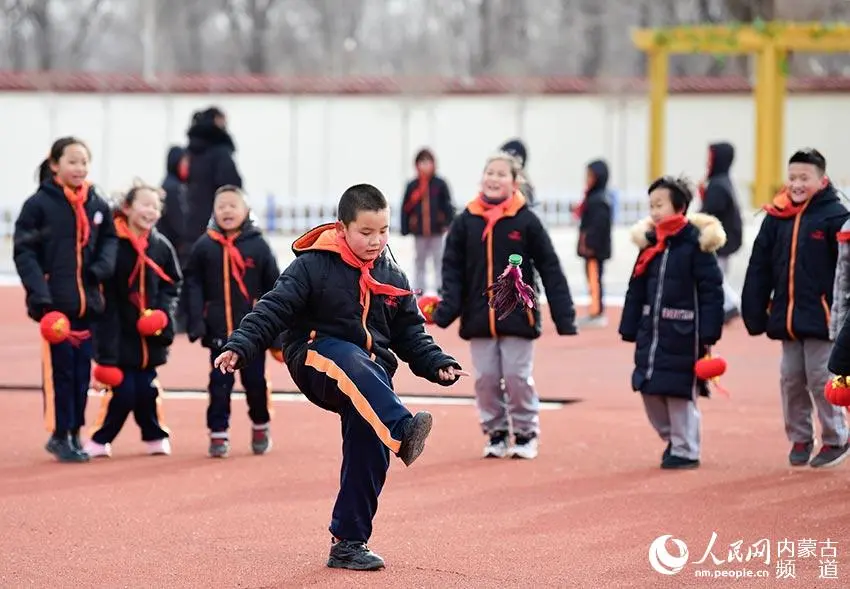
788	293
673	312
494	225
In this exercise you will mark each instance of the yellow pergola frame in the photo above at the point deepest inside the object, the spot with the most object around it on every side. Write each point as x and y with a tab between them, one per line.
770	42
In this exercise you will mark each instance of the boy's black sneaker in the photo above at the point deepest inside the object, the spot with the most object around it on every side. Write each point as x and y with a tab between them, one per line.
800	453
353	555
667	450
673	462
62	449
830	456
413	442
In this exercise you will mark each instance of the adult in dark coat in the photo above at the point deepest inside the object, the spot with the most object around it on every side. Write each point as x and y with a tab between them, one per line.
211	166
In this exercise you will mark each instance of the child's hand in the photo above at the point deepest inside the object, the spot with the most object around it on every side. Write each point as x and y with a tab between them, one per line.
226	361
451	373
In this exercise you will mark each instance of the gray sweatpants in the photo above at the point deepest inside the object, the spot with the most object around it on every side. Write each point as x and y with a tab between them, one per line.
428	249
504	386
731	299
677	421
803	376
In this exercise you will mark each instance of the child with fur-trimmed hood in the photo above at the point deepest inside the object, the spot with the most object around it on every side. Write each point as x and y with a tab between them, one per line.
673	312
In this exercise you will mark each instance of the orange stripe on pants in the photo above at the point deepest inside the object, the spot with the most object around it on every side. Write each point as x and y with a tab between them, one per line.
49	393
594	283
349	389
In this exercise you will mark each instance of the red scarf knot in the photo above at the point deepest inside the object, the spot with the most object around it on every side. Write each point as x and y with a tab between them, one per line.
367	282
143	261
421	191
664	229
77	198
237	262
493	212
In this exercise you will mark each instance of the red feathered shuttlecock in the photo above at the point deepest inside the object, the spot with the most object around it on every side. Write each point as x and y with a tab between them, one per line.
108	376
710	368
428	304
152	322
837	391
56	328
509	290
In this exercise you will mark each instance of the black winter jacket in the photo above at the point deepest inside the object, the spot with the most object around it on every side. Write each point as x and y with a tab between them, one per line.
55	275
117	339
675	308
211	166
432	215
318	295
471	264
172	225
594	231
789	282
720	199
215	302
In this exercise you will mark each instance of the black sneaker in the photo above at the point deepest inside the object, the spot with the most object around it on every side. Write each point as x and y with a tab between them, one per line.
673	462
77	444
415	435
800	453
62	449
667	450
830	456
353	555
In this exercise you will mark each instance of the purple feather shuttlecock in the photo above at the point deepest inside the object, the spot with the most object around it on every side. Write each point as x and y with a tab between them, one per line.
509	290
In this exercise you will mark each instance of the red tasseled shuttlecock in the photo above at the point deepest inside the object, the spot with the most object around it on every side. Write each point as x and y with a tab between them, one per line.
56	328
152	322
509	290
108	376
710	368
428	304
837	391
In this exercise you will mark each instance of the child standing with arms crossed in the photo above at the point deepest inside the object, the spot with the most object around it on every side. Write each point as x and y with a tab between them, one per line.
64	250
138	326
496	224
788	293
347	311
230	267
673	312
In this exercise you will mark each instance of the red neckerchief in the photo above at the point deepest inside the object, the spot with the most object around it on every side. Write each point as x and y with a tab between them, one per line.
663	230
140	245
421	191
77	198
368	283
783	207
237	262
493	212
578	211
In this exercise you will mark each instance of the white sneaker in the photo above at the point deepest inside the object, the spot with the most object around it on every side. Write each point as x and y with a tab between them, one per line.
96	450
159	447
525	448
496	448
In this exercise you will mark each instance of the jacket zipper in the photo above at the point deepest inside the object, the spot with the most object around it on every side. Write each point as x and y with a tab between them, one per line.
656	314
696	339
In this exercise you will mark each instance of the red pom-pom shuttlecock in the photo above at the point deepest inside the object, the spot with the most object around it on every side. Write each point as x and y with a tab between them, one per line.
509	290
428	304
108	376
152	322
710	367
56	328
837	391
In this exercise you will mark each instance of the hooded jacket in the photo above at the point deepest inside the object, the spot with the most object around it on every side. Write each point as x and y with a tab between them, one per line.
222	285
675	307
720	199
594	240
172	224
790	278
211	166
320	294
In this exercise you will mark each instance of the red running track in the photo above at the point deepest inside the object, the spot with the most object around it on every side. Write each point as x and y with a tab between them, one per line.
582	515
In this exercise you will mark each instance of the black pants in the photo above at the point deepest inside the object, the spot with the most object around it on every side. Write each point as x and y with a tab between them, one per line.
253	378
341	377
594	270
138	394
66	371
